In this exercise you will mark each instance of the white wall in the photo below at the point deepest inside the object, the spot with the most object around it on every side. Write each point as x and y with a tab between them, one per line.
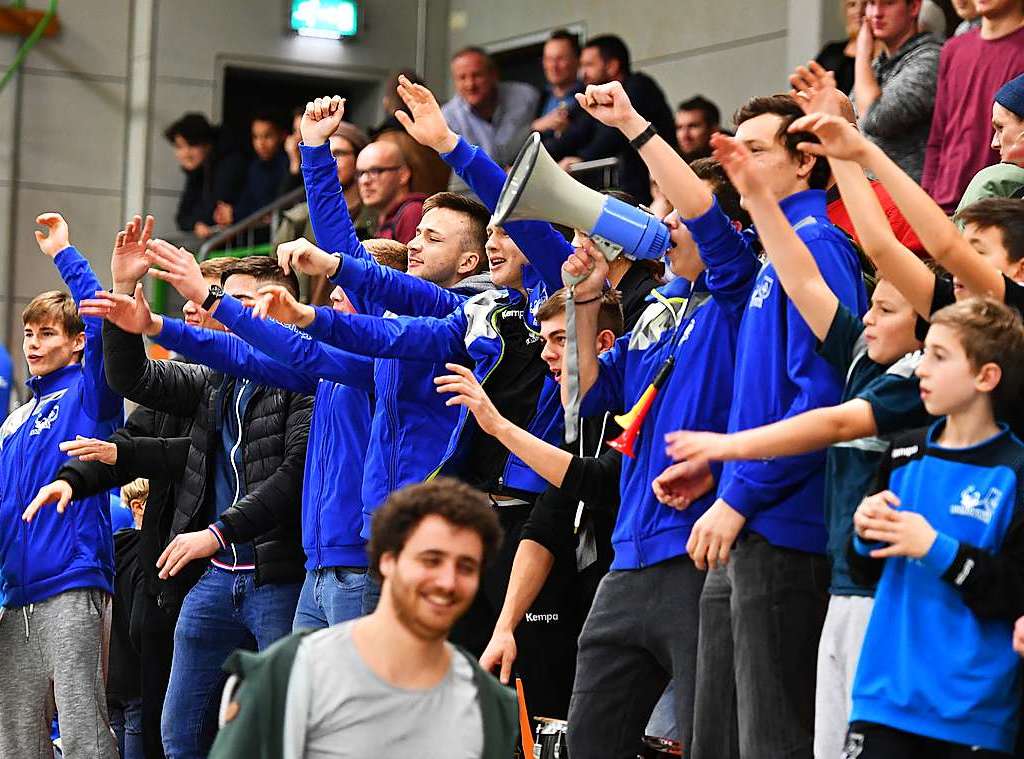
70	142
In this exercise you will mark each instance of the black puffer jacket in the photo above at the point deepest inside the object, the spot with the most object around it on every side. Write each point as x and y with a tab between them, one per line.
275	429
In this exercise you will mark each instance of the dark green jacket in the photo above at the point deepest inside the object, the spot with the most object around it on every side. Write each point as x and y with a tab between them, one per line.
255	728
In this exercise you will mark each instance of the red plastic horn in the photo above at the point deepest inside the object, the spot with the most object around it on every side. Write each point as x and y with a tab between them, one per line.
634	419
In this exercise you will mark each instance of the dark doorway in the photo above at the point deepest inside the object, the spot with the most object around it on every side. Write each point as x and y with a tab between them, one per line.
248	92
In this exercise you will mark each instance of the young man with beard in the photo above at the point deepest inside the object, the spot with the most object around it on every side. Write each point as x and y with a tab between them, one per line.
387	684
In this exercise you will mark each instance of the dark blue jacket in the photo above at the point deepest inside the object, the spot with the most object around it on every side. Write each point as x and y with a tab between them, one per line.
779	373
57	552
271	354
696	396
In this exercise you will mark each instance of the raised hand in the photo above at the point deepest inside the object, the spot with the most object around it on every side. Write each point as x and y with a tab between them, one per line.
179	268
609	104
427	124
58	490
131	314
277	303
839	138
128	263
500	652
697	446
321	119
683	483
304	257
589	266
90	449
57	238
738	164
470	394
815	91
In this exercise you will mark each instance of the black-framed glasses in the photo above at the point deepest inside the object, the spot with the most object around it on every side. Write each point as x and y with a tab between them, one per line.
374	173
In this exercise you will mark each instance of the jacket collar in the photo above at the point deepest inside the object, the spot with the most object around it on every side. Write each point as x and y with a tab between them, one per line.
56	380
800	205
918	40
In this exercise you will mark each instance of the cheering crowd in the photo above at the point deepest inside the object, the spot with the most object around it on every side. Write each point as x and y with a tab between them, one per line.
791	523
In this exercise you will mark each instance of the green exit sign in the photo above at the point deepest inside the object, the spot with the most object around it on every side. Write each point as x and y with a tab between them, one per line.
328	19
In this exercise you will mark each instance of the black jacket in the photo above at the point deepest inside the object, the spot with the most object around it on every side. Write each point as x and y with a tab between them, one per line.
275	429
588	139
123	678
220	178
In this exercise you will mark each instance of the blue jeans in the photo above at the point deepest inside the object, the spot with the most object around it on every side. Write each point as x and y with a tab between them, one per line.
223	611
330	595
126	721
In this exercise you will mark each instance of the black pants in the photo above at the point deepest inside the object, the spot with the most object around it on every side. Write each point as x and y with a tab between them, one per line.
867	740
157	649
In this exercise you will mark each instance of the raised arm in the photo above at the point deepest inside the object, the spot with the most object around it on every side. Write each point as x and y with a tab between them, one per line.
797	270
587	296
98	400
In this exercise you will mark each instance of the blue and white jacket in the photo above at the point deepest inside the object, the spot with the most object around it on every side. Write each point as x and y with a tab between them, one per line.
779	373
411	419
696	396
937	657
272	354
57	552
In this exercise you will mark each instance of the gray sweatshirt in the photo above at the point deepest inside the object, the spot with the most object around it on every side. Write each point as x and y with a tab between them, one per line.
898	122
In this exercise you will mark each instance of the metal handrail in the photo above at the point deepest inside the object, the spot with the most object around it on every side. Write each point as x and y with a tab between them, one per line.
29	43
250	222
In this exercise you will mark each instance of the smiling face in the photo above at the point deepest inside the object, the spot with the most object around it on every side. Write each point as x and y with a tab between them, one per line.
431	582
505	259
475	79
48	347
439	252
382	174
560	63
889	325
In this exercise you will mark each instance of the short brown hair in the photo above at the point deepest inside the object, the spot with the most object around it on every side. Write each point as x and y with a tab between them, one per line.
1004	214
54	307
608	317
264	269
390	253
135	490
711	171
990	333
479	217
451	499
217	268
786	109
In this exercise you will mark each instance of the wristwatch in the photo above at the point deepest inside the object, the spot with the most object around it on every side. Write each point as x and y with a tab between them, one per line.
216	293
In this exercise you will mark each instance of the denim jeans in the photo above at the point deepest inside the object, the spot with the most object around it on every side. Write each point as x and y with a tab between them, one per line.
760	620
640	633
223	611
330	595
126	721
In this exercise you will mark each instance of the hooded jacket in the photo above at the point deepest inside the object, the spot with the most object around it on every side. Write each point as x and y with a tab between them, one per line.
273	354
57	552
274	429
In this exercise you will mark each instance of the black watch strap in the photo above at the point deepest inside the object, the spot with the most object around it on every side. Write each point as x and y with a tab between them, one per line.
641	139
216	293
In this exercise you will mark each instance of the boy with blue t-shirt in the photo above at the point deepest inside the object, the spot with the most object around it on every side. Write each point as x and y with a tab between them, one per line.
56	568
937	674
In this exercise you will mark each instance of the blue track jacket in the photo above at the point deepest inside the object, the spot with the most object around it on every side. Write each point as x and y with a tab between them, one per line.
779	373
270	353
696	396
416	422
57	552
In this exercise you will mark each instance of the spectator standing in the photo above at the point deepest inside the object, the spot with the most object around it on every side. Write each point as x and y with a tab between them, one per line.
696	120
494	115
606	59
895	93
429	173
213	174
561	63
972	68
838	57
384	180
265	173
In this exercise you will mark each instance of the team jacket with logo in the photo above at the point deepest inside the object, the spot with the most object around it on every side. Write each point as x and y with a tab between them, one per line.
57	552
937	658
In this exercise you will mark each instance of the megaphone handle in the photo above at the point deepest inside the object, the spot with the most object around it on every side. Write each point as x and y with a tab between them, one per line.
570	280
571	375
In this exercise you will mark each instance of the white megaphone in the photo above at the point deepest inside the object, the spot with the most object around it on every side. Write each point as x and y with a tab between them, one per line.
536	188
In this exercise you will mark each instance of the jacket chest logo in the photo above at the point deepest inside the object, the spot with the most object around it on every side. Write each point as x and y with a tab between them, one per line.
977	506
761	292
43	423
